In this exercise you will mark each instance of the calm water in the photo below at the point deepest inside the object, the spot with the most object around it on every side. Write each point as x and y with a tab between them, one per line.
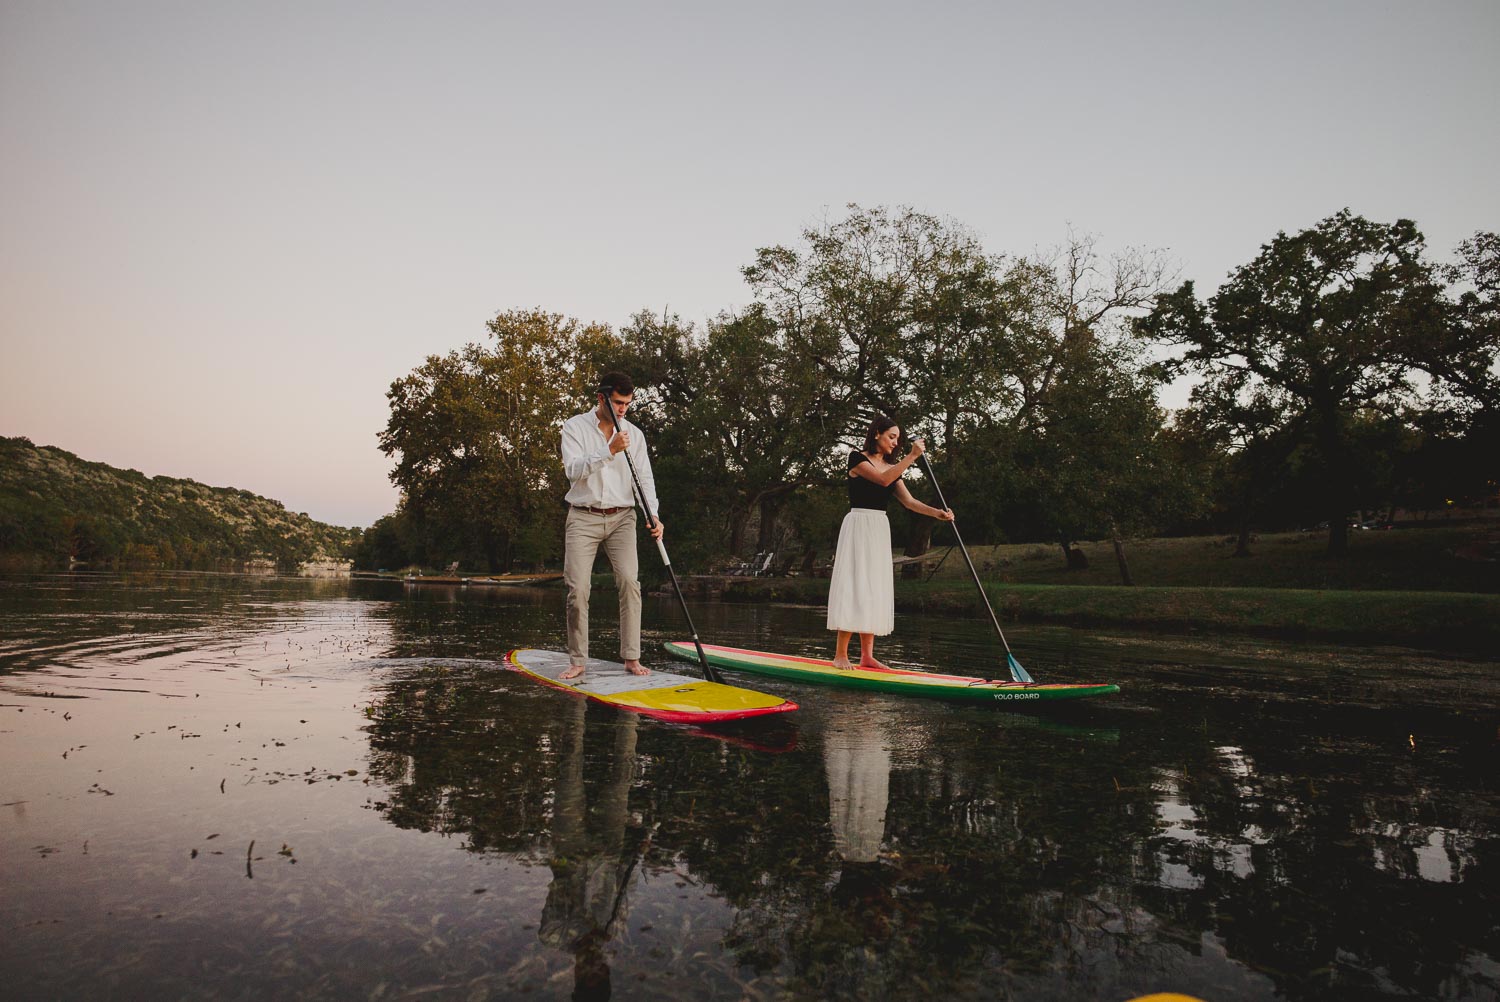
236	788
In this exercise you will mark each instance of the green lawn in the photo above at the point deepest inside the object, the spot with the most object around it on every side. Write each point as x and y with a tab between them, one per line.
1433	587
1459	558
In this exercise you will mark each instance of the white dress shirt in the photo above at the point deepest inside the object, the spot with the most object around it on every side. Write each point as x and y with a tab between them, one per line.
597	477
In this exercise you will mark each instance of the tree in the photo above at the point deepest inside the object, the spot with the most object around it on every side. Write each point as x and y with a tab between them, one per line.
475	434
1475	327
1075	448
907	315
1088	430
1340	317
898	313
384	545
1083	303
1096	461
1476	367
735	428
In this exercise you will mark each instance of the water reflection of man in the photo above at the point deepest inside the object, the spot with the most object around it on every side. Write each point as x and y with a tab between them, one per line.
591	871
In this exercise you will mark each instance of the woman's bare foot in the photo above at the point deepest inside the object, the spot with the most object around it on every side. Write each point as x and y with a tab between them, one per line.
634	667
842	664
574	671
870	662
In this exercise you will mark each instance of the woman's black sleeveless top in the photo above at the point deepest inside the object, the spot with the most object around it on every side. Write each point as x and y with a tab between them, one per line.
866	493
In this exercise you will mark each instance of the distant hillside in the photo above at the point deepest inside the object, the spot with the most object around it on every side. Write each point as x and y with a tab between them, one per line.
56	508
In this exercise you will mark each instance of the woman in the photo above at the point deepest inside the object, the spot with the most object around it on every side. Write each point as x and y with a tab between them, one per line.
861	596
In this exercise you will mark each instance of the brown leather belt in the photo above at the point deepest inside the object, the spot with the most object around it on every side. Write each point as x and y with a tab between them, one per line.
602	511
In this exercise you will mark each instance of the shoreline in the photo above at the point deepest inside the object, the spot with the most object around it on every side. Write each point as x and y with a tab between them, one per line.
1466	623
1446	621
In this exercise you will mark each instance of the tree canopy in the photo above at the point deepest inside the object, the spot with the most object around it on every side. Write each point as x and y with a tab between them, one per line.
1343	318
475	436
1339	367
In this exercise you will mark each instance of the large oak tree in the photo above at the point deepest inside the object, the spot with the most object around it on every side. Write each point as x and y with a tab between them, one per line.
1343	317
475	436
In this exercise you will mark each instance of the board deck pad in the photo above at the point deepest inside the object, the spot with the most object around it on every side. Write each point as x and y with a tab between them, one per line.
956	688
664	695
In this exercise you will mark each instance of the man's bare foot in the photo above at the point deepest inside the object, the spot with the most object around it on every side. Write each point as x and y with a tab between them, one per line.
842	664
574	671
870	662
634	667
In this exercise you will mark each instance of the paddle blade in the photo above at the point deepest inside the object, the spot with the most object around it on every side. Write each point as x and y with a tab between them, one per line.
1016	671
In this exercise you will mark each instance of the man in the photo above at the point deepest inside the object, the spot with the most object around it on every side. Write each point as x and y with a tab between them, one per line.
601	512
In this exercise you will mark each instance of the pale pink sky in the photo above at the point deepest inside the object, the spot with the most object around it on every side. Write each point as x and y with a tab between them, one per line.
226	228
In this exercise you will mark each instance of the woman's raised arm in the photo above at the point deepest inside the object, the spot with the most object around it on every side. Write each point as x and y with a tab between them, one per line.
889	476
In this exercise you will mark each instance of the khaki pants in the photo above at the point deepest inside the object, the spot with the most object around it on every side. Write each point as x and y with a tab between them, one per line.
584	534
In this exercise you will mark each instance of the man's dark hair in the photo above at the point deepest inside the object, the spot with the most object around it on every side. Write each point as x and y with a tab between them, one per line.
616	382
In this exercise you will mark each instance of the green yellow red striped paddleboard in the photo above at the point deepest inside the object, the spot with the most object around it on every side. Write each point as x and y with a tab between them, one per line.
679	699
959	688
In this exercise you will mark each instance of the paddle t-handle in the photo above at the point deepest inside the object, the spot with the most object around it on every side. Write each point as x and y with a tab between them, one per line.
709	672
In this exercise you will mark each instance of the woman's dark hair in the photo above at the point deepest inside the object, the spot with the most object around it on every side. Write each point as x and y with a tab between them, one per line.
879	426
616	382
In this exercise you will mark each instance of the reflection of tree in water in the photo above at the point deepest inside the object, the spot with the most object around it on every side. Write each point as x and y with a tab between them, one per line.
1305	858
461	757
439	621
594	793
1319	851
960	893
1295	871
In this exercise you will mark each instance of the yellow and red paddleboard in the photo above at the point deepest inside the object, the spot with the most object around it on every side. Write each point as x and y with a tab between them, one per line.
679	699
956	688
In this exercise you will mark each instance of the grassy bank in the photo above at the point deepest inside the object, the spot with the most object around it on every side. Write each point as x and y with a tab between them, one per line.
1442	620
1454	557
1434	585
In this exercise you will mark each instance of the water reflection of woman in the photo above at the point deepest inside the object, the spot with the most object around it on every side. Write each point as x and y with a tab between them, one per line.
586	901
858	766
857	762
861	596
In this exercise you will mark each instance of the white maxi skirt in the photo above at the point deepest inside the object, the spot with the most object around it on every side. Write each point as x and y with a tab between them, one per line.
862	594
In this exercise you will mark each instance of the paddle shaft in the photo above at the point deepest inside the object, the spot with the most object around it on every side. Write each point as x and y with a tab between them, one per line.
709	672
927	469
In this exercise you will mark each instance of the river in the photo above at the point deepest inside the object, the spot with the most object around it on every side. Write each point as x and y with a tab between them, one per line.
221	787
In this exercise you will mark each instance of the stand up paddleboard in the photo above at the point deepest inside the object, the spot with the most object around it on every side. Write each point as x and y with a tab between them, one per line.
679	699
956	688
